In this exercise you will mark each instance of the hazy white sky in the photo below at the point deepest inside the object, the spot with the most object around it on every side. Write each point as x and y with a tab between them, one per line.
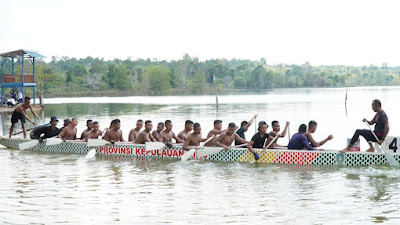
327	32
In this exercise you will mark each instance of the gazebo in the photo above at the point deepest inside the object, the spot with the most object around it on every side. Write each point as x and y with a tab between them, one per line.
21	80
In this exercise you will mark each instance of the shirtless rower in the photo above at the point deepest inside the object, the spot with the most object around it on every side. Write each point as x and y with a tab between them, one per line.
312	127
84	135
114	134
226	138
95	132
134	133
69	133
186	132
276	127
244	127
167	134
381	129
145	136
217	130
194	139
19	114
258	139
156	133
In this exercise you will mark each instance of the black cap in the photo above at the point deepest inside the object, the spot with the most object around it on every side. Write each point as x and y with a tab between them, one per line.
67	121
53	118
262	122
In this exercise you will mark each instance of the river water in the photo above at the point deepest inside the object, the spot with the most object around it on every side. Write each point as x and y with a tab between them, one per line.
46	188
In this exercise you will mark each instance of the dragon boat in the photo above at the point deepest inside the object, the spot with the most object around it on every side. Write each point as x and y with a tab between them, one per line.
304	157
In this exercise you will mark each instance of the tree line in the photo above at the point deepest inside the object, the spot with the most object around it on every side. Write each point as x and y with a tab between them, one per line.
95	76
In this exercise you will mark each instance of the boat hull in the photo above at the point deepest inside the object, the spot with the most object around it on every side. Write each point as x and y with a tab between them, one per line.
232	155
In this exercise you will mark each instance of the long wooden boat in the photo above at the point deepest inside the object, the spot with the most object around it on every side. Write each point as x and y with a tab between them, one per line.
232	155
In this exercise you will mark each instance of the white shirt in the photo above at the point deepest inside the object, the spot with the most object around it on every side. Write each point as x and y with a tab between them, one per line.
20	95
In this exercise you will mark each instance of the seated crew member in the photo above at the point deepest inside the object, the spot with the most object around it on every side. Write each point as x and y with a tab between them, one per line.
312	127
84	135
95	132
46	131
299	140
67	122
19	114
381	129
167	135
276	127
134	133
156	133
187	131
217	130
244	127
226	138
114	134
194	139
258	139
69	133
145	135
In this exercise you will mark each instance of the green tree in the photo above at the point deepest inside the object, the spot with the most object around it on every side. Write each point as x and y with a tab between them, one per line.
159	78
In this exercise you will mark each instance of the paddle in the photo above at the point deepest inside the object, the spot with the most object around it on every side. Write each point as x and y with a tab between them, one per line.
190	153
266	148
213	150
53	141
389	157
28	144
47	124
91	153
96	142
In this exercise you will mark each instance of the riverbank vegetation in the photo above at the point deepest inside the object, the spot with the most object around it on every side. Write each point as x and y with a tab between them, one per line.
98	77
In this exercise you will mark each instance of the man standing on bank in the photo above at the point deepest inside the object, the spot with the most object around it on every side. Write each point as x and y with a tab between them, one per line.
381	128
19	114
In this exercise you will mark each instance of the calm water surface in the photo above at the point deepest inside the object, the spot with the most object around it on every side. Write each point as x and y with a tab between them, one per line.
47	188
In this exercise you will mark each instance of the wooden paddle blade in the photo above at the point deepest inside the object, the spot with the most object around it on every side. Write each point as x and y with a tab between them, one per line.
208	151
91	154
53	141
391	160
96	142
28	144
188	154
154	145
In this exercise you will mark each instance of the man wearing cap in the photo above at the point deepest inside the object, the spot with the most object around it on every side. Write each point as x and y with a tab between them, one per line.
258	139
67	122
217	130
46	131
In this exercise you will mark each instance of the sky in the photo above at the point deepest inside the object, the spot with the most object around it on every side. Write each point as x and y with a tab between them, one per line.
322	32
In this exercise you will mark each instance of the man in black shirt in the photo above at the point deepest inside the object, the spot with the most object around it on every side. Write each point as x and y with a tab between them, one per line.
244	126
258	140
46	131
381	128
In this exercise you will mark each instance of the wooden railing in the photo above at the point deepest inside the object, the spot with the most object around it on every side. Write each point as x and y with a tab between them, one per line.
9	78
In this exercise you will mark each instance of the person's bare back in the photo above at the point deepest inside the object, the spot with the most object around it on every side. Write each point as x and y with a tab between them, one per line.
192	140
133	135
94	134
143	138
113	135
68	133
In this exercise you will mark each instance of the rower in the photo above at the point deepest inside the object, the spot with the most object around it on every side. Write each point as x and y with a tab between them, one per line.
114	134
217	130
381	129
244	127
84	135
312	127
95	132
226	138
258	139
19	114
134	133
276	127
47	131
156	133
145	135
67	122
299	140
187	131
69	133
194	139
167	134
